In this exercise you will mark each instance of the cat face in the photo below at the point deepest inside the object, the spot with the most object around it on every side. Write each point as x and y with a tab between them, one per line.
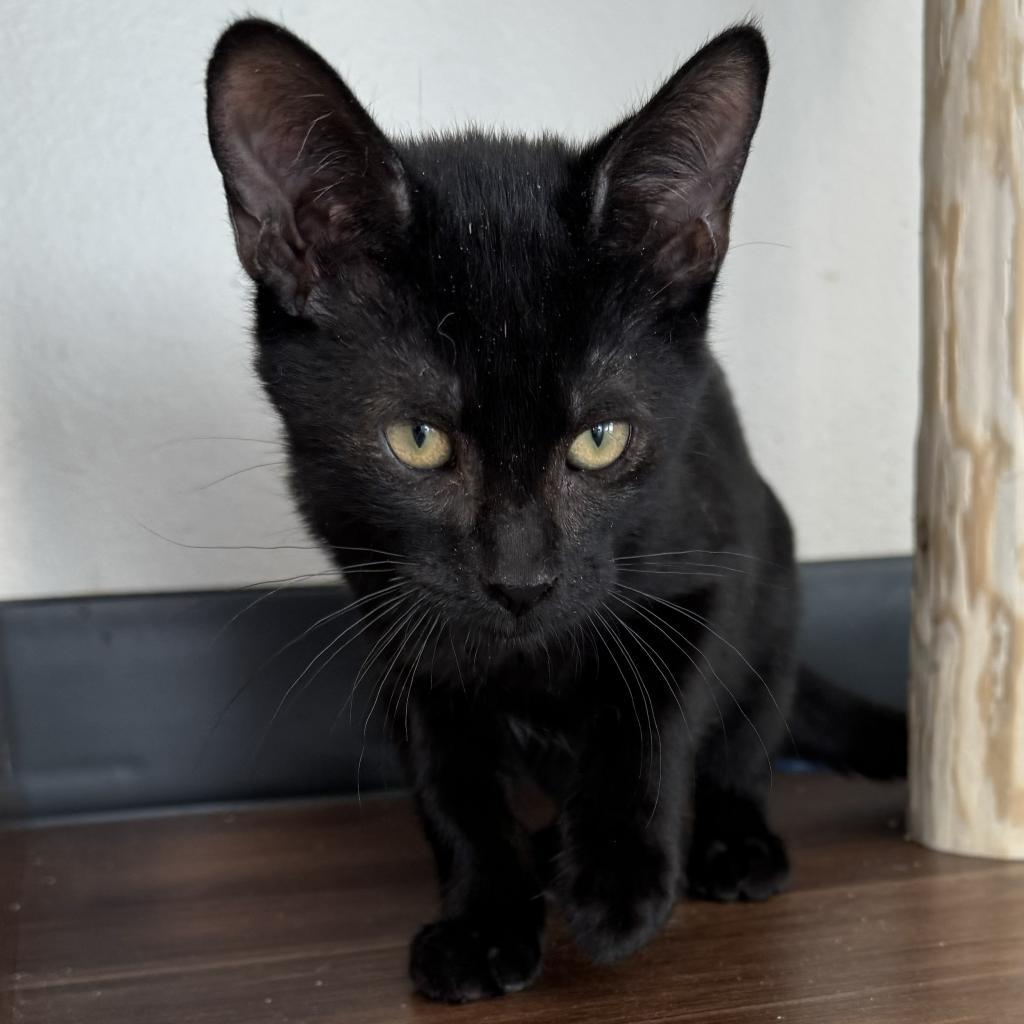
486	352
502	438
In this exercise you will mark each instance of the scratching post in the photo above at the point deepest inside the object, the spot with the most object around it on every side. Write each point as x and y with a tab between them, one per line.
967	674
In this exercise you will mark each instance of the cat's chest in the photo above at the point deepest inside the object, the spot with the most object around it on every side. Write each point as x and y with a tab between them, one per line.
541	748
539	734
538	706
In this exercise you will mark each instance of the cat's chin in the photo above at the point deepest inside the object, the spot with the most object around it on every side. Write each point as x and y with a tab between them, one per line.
519	635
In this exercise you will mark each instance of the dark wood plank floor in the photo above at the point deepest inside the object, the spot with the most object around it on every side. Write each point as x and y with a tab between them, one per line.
302	914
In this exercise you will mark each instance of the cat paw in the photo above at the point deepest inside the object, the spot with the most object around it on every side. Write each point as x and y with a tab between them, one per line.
615	908
459	960
737	866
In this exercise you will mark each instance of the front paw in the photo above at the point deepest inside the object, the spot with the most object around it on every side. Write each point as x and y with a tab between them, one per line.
617	901
461	959
742	864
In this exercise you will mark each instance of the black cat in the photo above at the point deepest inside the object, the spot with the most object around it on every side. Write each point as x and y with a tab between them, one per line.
489	355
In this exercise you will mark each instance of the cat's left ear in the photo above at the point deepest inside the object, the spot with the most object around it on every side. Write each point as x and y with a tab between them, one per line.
311	181
662	183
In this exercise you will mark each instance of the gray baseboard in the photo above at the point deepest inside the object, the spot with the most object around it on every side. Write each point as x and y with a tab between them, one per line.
110	703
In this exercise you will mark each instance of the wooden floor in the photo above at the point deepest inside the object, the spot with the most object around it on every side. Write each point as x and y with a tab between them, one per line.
302	913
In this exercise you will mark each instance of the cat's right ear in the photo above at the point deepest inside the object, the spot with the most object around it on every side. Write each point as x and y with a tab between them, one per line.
311	181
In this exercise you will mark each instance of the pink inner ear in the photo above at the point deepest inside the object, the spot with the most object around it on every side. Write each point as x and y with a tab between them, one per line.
310	179
666	184
304	152
281	123
692	250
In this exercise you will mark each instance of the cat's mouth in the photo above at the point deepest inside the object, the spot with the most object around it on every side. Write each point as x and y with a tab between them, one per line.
519	633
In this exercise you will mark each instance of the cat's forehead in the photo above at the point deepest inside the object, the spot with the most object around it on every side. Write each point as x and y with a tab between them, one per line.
498	266
492	226
509	177
505	290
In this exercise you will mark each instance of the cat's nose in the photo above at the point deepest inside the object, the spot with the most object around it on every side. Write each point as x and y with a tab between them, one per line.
519	598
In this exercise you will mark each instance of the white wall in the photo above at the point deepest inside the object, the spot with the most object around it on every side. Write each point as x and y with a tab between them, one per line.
123	314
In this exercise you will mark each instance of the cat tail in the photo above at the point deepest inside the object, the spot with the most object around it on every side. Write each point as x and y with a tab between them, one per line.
847	733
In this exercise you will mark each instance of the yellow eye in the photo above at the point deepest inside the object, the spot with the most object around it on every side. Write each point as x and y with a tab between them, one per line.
599	446
419	445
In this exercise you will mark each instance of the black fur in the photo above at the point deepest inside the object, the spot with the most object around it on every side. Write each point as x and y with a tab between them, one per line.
624	635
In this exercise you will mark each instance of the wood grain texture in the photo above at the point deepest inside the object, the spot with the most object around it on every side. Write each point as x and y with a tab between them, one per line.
303	913
967	686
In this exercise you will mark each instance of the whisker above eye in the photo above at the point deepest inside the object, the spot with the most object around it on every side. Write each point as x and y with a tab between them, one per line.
216	437
267	547
239	472
227	547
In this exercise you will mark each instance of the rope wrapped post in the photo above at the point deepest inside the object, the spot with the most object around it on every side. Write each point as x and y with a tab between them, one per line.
967	648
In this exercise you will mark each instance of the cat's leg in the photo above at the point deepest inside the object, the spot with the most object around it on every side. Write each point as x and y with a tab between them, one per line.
619	862
488	938
734	854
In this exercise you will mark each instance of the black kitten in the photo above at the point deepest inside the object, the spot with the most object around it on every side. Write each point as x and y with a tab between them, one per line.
489	355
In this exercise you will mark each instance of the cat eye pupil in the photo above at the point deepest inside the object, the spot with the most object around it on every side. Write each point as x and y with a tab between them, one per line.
418	445
599	445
